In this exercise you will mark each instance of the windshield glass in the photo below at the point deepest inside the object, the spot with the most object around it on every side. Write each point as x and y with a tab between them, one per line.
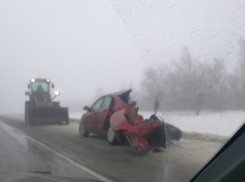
134	90
40	87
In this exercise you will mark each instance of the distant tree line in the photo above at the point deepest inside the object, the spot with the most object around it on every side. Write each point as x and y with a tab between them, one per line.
194	85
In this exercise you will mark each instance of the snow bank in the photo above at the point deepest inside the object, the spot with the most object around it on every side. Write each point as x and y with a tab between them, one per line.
217	123
210	124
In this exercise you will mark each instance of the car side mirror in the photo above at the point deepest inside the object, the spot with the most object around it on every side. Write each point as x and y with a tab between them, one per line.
86	108
27	93
28	86
52	85
133	104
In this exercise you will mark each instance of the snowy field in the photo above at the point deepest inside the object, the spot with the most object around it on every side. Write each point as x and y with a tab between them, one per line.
218	123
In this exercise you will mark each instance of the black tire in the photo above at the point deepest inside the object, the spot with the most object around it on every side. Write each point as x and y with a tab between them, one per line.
174	132
111	137
26	117
27	120
82	130
27	113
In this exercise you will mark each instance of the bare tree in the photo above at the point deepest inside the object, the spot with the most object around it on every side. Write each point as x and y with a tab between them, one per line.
195	85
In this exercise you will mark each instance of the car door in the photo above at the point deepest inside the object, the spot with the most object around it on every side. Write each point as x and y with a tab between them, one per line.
102	113
91	118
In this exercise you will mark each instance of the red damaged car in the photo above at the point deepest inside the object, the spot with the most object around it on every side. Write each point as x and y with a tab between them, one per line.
116	116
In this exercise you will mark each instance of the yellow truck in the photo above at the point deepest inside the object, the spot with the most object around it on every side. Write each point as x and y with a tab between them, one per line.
40	108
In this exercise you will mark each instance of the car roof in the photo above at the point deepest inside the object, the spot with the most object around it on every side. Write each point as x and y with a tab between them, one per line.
121	92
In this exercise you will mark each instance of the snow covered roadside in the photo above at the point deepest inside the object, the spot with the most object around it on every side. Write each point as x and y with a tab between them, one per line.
216	123
214	126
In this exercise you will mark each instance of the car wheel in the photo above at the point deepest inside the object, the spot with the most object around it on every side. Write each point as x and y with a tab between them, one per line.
111	137
82	130
67	122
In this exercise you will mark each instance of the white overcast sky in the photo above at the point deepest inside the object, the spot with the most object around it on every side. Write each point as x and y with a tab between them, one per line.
83	45
160	28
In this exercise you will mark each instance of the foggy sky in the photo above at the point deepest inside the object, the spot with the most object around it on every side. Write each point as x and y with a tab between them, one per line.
160	29
79	45
85	45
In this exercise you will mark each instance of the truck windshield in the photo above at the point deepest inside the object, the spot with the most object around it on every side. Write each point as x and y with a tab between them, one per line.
40	87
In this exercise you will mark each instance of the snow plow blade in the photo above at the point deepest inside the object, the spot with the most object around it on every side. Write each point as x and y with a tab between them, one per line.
47	115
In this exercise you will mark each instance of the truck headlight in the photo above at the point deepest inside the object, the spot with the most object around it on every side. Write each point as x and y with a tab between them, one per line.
56	93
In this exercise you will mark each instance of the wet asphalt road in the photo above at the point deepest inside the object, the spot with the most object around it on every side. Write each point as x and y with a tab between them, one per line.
117	163
20	154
